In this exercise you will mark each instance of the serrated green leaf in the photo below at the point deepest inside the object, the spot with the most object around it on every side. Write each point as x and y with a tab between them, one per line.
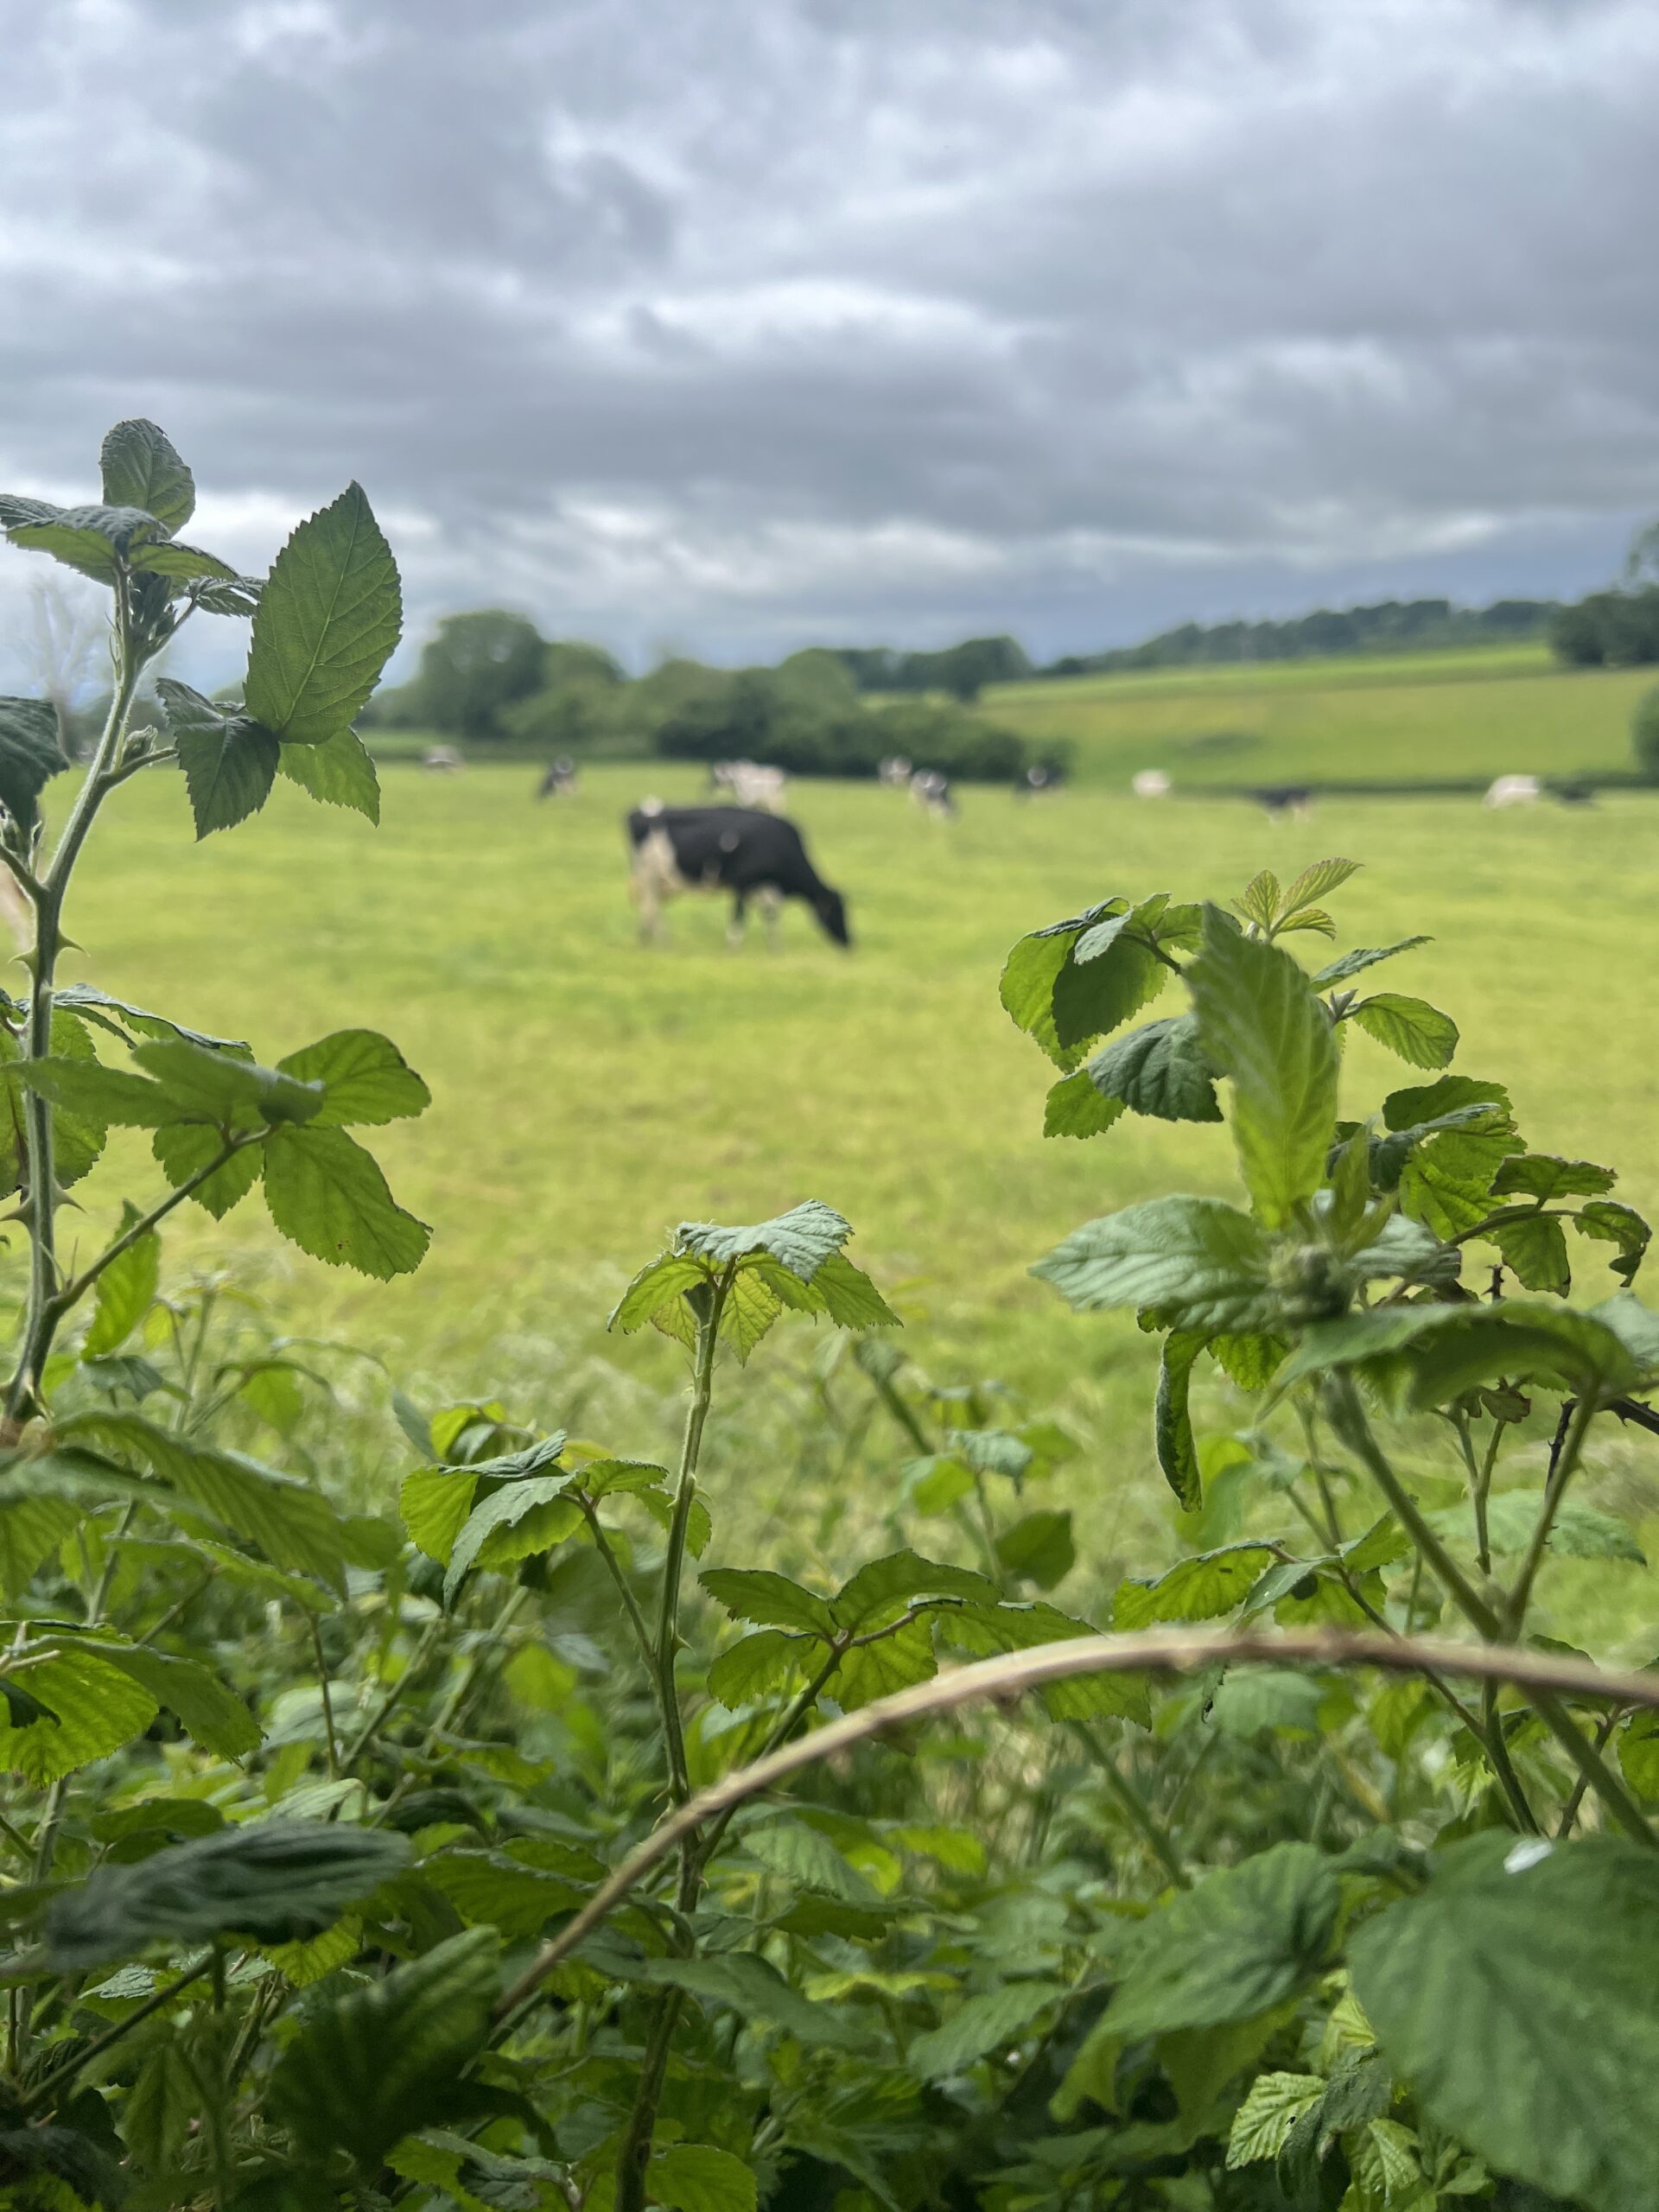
90	1709
1239	1944
1363	956
228	771
328	618
183	1148
1204	1264
35	1515
756	1665
1074	1108
1410	1028
981	2026
125	1291
696	2177
328	1195
1259	1022
1422	1355
513	1523
1611	1222
30	754
1038	1547
769	1600
801	1855
378	2062
85	997
656	1286
140	467
222	1086
896	1661
800	1240
366	1080
1263	2121
339	773
1199	1589
1535	1252
755	1990
1316	883
884	1587
1515	1998
1160	1070
94	540
215	1716
1548	1178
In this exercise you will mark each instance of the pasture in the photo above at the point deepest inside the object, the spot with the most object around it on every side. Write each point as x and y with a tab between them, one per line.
590	1093
1406	718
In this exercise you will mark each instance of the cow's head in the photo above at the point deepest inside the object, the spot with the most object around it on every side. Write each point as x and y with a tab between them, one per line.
831	910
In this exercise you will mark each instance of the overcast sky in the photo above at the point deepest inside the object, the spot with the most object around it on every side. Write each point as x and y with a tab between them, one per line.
736	325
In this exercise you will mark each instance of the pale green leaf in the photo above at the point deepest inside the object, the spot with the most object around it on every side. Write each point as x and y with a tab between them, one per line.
328	618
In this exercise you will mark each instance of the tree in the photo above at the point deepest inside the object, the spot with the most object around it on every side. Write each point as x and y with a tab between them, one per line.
475	665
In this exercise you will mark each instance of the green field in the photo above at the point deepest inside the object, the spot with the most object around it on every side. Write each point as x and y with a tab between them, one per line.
590	1093
1424	717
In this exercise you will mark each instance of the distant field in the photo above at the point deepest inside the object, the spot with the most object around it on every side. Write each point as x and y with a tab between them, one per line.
1505	710
588	1094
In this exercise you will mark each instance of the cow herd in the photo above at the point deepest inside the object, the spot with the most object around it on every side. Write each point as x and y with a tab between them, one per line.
741	842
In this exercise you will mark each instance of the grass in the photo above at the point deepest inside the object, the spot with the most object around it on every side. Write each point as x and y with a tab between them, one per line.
1410	718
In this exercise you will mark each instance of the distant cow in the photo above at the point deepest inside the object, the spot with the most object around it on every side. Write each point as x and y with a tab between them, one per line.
1040	782
1284	802
1512	791
746	783
441	760
559	782
932	793
1151	783
737	849
895	772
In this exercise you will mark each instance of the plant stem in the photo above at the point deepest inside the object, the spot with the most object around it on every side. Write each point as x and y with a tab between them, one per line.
46	2088
74	1291
624	1587
1156	1651
383	1713
1564	1453
328	1697
685	1491
1134	1806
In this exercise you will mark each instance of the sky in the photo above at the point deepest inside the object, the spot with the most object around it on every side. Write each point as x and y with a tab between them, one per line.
731	326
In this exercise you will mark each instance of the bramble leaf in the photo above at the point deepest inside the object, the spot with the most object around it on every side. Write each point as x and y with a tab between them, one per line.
1203	1264
339	773
1259	1022
981	2026
228	771
1160	1070
1178	1454
366	1080
1410	1028
1074	1108
328	617
140	467
1363	956
1197	1590
328	1195
30	754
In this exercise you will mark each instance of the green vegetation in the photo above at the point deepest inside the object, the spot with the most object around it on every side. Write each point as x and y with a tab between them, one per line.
506	1800
1393	626
1406	720
1644	734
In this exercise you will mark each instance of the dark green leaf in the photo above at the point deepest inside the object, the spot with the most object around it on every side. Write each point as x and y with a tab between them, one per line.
328	620
1032	970
801	1855
366	1080
800	1240
228	772
330	1196
376	2062
86	997
513	1523
183	1148
1611	1222
217	1718
756	1665
140	469
981	2026
1410	1028
1260	1023
1241	1942
1363	956
1110	973
113	1096
90	1709
1038	1547
769	1600
886	1586
30	753
697	2177
339	771
1160	1070
1543	1176
184	564
276	1881
223	1088
756	1990
1515	1998
1178	1455
93	540
1204	1263
125	1290
1423	1356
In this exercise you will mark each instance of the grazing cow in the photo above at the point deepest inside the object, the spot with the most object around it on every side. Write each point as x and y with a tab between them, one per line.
560	781
1038	782
895	772
737	849
441	760
1573	794
746	783
1151	783
1284	802
932	793
1512	791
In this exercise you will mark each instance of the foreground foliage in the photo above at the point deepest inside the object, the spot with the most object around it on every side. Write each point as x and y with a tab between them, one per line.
531	1849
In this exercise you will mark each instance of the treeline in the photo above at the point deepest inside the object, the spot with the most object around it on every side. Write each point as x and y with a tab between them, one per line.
1392	625
490	679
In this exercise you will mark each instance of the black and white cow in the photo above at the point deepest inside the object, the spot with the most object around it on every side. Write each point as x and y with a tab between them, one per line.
560	781
736	849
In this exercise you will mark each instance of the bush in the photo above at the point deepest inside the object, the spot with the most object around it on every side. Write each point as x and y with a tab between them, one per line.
787	718
1612	629
1644	734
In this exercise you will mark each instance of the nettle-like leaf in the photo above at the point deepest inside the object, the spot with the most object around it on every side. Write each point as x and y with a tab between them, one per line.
1160	1070
1410	1028
1423	1356
1077	980
1515	1998
1349	965
1178	1454
30	754
792	1263
93	540
1261	1022
1200	1263
1240	1943
328	618
339	773
328	1195
1199	1589
229	759
1543	1176
366	1080
140	467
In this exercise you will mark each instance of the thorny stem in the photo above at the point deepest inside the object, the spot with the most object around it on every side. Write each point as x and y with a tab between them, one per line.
1156	1652
72	1291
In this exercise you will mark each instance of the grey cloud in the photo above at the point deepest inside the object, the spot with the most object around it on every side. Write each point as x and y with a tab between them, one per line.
747	321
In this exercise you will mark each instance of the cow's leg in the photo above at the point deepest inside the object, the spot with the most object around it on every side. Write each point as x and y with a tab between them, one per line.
645	892
734	928
771	908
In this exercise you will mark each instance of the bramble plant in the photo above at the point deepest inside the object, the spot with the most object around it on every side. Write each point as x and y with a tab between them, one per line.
512	1856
